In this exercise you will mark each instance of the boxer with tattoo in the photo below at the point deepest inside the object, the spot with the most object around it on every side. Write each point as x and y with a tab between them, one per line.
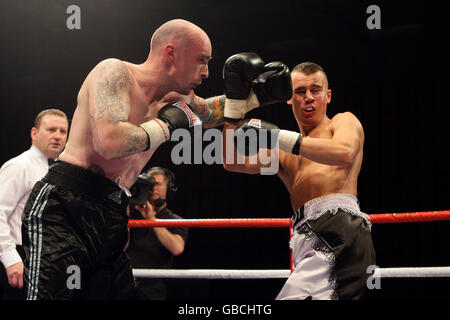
76	215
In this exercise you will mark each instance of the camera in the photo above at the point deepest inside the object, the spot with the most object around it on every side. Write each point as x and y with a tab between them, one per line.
140	189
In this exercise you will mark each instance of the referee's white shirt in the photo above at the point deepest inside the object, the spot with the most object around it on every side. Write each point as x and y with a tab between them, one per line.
17	178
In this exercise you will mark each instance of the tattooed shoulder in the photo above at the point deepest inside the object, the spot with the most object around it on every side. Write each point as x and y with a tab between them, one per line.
114	76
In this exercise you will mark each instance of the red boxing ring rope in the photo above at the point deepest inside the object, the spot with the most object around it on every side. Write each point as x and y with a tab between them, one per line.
427	216
212	223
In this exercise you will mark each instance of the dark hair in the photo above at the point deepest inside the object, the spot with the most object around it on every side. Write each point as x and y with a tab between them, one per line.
309	68
38	119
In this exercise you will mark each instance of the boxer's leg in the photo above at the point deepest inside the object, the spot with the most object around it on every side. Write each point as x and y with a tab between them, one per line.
50	246
311	277
336	248
350	238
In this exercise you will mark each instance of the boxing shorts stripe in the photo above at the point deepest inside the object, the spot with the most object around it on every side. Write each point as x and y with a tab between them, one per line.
35	235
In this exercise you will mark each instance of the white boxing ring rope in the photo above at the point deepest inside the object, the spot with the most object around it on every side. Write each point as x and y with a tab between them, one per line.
408	272
404	272
211	273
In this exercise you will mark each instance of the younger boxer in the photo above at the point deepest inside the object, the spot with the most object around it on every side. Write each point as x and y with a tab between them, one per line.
319	166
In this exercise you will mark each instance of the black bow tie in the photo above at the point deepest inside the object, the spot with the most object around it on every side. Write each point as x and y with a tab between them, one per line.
50	162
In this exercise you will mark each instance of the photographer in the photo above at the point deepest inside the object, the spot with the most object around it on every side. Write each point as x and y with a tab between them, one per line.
154	247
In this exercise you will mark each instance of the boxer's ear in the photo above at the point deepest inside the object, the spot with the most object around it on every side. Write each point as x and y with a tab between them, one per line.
328	96
169	53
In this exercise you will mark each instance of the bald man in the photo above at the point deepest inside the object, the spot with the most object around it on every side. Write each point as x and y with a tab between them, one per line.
75	225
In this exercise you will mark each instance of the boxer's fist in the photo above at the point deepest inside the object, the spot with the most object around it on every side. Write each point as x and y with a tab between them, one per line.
273	85
239	72
256	124
178	115
253	134
170	117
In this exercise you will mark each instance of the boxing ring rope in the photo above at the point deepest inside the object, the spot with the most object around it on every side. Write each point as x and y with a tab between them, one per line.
211	273
427	216
378	218
408	272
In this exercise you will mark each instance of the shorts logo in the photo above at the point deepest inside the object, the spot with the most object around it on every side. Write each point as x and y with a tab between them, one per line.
193	119
116	196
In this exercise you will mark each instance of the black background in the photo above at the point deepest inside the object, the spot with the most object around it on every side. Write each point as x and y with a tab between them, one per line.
394	80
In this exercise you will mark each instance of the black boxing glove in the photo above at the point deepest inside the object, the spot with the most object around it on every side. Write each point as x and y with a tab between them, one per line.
170	117
239	72
288	141
272	86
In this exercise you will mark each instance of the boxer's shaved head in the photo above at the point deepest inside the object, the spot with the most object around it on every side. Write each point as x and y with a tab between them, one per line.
176	31
183	50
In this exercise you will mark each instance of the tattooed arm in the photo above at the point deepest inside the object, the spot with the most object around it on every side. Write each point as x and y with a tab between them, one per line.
209	110
109	107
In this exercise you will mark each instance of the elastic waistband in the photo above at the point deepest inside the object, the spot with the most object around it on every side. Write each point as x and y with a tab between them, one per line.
314	208
80	180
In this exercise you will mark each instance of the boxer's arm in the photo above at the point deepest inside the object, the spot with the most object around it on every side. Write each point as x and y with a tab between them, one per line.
342	148
209	110
109	107
235	162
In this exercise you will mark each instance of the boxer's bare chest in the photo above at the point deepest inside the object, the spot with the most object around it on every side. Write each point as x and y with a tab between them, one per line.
307	179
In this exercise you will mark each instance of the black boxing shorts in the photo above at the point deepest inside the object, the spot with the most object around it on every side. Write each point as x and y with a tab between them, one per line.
74	231
332	249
